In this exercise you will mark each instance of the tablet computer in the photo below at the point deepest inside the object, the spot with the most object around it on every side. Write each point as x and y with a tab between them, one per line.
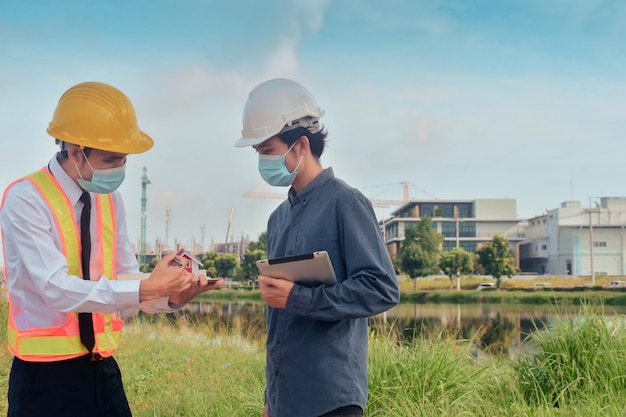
312	268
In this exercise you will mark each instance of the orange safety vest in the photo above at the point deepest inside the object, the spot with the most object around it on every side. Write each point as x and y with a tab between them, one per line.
63	342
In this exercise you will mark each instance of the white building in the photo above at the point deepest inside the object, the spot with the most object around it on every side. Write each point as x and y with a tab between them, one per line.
463	223
572	240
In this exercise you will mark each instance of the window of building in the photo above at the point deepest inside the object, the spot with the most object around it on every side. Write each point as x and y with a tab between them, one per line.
544	247
468	246
445	210
448	245
427	209
599	244
392	231
448	229
467	229
464	210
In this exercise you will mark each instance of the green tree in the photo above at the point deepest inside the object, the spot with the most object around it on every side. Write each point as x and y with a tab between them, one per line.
455	263
497	259
261	244
226	265
248	265
418	255
208	264
148	267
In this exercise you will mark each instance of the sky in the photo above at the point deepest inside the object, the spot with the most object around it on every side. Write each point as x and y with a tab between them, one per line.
522	99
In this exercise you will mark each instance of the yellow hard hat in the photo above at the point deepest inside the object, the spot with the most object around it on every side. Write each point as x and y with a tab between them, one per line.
99	116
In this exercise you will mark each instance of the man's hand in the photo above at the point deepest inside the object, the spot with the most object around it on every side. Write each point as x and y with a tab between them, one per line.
201	285
275	291
167	278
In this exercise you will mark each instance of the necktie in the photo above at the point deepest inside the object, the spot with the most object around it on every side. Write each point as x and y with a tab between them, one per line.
85	320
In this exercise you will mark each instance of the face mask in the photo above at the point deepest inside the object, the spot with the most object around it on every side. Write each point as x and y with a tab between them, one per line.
274	171
103	181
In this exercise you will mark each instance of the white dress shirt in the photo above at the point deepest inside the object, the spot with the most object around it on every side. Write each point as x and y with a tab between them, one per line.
37	270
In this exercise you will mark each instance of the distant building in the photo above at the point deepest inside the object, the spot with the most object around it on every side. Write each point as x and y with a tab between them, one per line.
562	241
468	224
235	247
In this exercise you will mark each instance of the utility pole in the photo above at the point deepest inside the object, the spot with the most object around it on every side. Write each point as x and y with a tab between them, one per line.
144	214
593	273
168	221
456	220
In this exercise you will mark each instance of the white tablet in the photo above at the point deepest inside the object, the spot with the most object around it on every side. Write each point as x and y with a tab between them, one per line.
307	269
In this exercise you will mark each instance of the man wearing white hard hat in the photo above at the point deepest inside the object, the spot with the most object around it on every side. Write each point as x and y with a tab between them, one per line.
317	335
65	244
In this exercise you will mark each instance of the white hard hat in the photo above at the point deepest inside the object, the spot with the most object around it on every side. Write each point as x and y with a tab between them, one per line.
278	105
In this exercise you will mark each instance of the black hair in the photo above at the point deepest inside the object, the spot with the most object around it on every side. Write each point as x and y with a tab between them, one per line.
316	140
63	151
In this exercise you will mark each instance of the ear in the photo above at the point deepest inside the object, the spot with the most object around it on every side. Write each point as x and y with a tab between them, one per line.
303	145
75	154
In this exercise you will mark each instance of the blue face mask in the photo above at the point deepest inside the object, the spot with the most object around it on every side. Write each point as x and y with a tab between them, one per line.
103	181
275	172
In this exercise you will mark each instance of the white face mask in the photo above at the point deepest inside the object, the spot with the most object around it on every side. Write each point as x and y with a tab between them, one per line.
103	181
274	170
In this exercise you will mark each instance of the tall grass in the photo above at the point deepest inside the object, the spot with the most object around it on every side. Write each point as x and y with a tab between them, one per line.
427	377
576	360
183	365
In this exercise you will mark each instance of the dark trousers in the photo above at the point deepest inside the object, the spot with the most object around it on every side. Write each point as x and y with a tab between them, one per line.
72	388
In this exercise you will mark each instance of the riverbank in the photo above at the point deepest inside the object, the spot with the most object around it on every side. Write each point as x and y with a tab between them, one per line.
438	293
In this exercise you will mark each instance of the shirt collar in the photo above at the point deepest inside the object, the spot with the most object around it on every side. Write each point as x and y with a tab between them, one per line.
72	190
295	198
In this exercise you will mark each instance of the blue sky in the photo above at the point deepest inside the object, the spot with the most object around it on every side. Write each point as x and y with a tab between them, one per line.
462	99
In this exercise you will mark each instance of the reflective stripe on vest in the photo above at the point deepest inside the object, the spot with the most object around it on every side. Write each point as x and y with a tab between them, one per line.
58	343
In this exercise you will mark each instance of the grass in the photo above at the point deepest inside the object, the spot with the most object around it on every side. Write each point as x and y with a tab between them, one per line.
184	365
179	368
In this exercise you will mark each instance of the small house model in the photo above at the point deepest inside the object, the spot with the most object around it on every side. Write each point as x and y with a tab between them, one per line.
193	265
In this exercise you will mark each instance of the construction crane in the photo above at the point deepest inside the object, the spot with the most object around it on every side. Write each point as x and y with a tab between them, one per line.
230	220
144	214
375	202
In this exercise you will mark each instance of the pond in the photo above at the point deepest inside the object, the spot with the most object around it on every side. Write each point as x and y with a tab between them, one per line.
494	328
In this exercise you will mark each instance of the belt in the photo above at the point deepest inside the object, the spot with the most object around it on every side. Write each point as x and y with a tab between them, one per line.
89	358
95	357
92	357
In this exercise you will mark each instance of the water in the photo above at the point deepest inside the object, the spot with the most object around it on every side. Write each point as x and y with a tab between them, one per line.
494	328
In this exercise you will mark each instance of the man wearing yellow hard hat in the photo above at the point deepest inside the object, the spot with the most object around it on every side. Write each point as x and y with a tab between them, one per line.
65	243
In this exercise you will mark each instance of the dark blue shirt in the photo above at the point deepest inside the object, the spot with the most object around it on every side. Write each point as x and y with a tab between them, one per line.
317	345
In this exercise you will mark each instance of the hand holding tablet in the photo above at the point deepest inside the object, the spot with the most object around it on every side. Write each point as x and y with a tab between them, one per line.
307	269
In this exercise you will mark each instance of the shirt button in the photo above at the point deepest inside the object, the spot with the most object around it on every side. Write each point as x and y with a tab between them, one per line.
276	372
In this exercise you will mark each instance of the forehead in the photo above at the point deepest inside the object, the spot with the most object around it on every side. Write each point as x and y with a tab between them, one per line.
106	154
270	143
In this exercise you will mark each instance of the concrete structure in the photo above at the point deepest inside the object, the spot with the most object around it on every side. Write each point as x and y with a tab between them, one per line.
468	224
571	240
